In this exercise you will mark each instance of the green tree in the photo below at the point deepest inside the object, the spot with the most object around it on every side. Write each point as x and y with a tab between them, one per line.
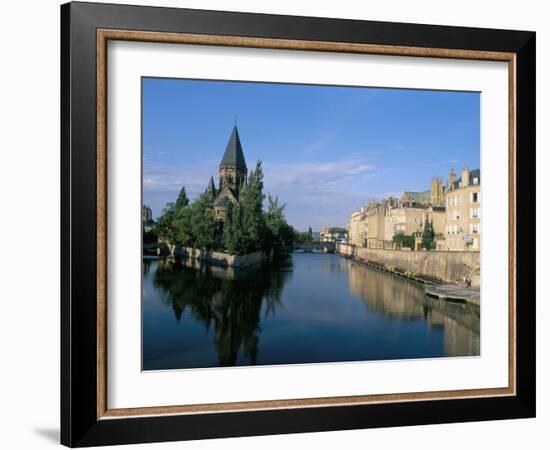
252	217
234	238
182	200
195	224
279	235
428	235
166	228
203	223
402	240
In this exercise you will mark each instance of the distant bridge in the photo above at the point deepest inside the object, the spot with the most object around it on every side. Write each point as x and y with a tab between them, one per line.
324	247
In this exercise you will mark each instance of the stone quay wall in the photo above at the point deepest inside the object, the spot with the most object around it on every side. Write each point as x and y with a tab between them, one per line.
450	267
219	258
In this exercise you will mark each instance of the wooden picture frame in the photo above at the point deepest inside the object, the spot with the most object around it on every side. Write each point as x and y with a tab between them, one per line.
85	416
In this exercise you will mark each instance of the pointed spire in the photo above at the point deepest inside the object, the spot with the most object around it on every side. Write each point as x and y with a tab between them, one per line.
211	187
234	155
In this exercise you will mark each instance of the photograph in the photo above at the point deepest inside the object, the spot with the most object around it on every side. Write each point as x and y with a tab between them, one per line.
299	224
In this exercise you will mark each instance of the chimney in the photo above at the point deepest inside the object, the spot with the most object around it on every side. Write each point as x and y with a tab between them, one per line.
452	177
465	176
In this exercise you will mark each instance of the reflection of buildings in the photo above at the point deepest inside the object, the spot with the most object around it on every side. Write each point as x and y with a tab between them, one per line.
228	301
405	300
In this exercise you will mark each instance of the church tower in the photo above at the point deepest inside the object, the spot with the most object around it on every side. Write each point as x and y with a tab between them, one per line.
233	173
233	166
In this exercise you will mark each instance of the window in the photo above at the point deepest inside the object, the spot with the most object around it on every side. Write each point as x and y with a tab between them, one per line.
476	180
474	213
474	228
475	197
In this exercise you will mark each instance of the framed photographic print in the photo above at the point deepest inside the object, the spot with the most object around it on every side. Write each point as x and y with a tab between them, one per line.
276	224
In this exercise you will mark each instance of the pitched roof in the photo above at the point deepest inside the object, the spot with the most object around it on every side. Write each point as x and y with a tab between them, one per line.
224	196
234	155
473	174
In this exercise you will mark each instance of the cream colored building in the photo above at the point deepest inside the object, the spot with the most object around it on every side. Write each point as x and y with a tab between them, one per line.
406	220
376	215
437	216
333	234
463	211
357	228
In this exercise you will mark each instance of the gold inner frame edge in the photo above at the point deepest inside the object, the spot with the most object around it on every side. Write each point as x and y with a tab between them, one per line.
103	36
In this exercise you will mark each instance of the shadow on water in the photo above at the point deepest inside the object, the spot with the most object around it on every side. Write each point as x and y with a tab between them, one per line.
225	299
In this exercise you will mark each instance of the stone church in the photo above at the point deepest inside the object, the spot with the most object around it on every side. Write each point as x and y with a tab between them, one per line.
233	175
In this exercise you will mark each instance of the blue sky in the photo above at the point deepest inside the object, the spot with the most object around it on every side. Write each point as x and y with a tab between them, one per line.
325	150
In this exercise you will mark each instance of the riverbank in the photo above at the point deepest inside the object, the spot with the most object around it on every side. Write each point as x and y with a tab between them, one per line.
219	258
426	267
435	287
452	292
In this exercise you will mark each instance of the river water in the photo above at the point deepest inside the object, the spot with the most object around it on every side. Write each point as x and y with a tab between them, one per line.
305	308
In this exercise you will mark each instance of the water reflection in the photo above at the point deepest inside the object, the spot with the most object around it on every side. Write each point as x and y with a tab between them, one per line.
229	300
303	309
402	299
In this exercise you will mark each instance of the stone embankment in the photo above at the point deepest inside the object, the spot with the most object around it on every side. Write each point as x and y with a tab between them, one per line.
219	258
434	267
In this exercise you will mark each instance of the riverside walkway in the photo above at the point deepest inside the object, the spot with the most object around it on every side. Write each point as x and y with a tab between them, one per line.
452	292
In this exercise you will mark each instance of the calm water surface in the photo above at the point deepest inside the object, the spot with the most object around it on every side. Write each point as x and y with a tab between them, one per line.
306	308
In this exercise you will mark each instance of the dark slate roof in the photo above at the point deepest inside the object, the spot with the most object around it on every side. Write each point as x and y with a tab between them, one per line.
473	174
224	197
234	155
221	202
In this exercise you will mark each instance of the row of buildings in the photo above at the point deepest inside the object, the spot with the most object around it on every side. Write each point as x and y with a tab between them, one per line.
452	209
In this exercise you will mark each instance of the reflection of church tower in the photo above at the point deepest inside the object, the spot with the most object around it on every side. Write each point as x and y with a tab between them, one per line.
233	166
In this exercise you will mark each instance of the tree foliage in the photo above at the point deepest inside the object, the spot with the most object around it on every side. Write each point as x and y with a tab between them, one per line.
165	227
279	235
234	236
246	228
250	203
401	240
428	234
182	200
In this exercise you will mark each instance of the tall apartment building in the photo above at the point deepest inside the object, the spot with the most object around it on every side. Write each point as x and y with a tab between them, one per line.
357	228
463	210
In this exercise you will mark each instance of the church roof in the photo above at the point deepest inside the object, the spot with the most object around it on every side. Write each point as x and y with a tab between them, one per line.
234	155
224	196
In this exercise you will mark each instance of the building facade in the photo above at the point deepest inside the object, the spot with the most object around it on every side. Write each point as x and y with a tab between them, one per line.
338	235
453	210
463	211
357	228
376	221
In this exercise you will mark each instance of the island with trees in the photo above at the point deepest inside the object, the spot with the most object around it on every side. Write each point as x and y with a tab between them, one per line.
247	233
